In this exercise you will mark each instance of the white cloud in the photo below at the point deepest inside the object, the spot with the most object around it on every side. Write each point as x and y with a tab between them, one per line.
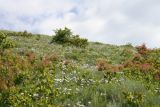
109	21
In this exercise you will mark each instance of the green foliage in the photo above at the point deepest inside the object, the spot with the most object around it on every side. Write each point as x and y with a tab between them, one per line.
133	99
5	43
79	42
36	73
24	34
65	36
62	36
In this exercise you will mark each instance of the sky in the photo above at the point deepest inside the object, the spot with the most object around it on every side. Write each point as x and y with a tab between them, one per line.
109	21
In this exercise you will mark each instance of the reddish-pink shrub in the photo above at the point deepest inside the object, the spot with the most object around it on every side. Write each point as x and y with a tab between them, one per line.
142	49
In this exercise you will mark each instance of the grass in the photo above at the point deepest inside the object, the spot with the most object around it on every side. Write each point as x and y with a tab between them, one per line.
38	73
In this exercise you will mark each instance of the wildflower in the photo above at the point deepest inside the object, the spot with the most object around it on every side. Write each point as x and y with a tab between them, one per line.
22	93
77	89
89	102
35	95
69	89
68	104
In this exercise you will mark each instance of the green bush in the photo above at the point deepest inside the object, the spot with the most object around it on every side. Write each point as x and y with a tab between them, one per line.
24	34
65	36
62	36
5	43
2	37
12	33
79	42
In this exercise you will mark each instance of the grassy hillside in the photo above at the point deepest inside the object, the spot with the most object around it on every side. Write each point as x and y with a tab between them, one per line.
36	72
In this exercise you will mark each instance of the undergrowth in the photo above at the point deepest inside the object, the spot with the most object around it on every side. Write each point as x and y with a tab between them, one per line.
37	73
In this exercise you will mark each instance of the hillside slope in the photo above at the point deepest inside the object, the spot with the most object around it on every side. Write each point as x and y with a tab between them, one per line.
36	72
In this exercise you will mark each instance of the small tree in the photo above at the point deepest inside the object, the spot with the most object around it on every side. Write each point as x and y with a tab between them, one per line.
65	36
62	36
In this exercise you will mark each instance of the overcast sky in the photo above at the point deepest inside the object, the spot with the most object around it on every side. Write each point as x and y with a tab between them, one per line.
109	21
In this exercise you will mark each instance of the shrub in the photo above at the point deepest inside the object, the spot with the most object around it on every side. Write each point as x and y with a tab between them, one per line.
65	36
62	36
9	69
79	42
5	43
129	45
104	65
24	34
11	33
142	49
98	43
31	57
133	99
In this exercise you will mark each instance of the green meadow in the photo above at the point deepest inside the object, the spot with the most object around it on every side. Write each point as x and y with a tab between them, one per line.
65	70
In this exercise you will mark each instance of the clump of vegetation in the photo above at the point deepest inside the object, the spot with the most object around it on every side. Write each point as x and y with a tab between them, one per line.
5	43
142	49
25	33
65	36
62	36
78	42
104	65
35	73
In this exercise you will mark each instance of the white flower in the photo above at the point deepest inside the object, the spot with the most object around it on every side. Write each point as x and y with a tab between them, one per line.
74	71
22	93
68	104
77	89
89	102
35	95
69	89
